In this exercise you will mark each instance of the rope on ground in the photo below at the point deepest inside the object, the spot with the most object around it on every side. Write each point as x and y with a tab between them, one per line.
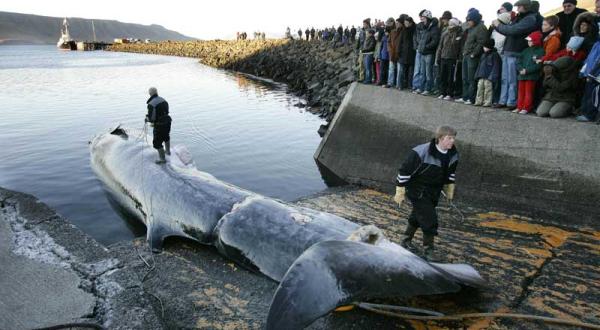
74	325
149	219
462	216
381	309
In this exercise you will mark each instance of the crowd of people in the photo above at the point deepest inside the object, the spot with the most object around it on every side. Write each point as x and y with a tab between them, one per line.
522	61
339	36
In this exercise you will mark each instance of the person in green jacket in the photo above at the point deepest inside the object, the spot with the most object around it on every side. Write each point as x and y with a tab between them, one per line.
529	72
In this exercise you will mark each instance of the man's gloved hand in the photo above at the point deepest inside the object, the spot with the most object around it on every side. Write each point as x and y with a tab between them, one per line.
400	193
449	191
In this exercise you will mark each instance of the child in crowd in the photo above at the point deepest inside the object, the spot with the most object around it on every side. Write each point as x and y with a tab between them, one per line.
529	72
573	50
450	49
488	74
551	34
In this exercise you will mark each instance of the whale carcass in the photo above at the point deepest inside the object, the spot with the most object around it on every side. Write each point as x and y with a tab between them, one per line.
320	260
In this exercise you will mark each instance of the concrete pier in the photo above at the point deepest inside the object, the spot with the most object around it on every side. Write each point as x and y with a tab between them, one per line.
529	165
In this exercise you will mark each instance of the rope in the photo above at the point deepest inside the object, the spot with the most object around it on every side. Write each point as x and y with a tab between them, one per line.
380	309
73	325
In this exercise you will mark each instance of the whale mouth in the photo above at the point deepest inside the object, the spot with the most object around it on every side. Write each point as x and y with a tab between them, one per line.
120	132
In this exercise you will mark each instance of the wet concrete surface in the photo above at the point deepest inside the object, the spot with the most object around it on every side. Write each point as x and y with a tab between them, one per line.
532	266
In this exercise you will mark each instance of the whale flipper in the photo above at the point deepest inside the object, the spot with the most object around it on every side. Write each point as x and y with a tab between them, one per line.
335	273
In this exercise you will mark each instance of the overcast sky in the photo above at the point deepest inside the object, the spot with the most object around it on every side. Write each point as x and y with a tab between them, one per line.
221	19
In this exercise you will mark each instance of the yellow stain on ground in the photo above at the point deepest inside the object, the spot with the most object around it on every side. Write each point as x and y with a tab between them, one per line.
552	235
539	303
494	253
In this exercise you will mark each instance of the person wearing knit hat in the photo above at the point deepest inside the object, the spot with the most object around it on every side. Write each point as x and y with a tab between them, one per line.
506	7
529	72
447	15
426	13
472	51
427	38
566	19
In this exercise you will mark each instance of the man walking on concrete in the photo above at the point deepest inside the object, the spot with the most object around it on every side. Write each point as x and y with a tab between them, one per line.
428	169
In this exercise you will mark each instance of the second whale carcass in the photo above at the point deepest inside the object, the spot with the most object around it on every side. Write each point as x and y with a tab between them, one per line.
320	260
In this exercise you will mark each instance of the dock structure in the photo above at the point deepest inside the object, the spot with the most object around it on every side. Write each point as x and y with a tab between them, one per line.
92	45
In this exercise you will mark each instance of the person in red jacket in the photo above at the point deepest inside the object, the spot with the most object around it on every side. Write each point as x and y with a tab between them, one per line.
573	50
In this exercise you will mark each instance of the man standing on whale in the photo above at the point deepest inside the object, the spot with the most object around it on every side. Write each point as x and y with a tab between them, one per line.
427	170
158	116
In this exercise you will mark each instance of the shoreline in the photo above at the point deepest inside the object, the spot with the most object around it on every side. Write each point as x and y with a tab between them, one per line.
531	268
311	69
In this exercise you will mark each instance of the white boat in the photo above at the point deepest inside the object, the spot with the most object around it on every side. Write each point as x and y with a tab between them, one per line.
65	42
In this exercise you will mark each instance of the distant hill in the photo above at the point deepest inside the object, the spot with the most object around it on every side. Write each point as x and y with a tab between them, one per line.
18	28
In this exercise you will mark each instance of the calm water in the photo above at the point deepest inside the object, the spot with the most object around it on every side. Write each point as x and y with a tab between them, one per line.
242	131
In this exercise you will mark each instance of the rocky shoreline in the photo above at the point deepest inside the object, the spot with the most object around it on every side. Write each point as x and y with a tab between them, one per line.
314	70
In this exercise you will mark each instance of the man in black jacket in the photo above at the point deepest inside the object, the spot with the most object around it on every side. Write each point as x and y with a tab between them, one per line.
158	116
427	170
566	19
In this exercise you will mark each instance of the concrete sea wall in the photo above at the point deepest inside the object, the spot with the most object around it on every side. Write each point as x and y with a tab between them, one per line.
315	69
526	164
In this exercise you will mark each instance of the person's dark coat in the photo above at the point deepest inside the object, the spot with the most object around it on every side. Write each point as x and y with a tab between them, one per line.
394	43
592	35
423	168
489	66
369	45
526	61
562	84
476	38
516	32
566	22
451	44
427	37
158	111
406	50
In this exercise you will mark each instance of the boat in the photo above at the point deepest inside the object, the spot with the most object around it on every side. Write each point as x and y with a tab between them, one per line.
65	42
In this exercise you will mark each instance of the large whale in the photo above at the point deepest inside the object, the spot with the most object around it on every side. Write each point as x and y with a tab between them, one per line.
320	260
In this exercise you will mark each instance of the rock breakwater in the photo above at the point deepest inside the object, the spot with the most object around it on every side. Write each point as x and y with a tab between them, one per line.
315	70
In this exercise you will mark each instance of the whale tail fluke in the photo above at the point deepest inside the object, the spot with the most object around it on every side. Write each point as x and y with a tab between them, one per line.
335	273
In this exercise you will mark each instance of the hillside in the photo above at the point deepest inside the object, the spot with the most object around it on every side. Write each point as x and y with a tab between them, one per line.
33	29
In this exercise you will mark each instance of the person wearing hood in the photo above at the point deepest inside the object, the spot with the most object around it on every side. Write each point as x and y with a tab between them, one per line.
586	27
566	19
524	24
499	38
560	83
406	54
448	54
573	50
529	72
426	42
488	74
477	36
